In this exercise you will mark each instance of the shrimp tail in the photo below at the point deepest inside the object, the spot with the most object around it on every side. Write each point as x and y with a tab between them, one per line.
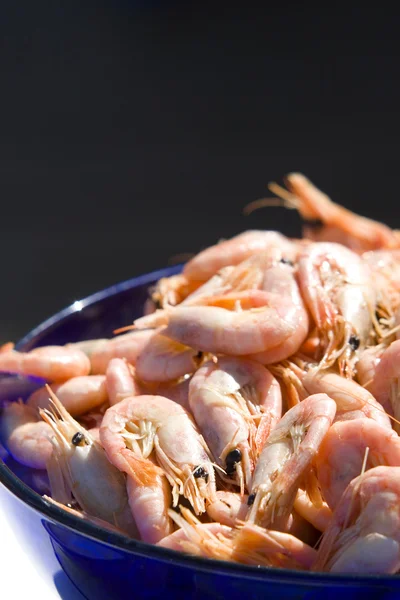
143	471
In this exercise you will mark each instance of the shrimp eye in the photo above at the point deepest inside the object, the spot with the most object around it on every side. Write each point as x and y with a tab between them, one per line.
314	223
286	261
250	499
157	303
78	438
232	458
354	342
200	472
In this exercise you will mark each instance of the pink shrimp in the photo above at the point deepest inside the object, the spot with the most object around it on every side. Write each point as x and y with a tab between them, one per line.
286	459
271	319
336	286
367	364
385	385
236	403
134	427
364	535
327	221
54	363
342	454
235	250
25	437
79	468
78	395
248	544
228	508
318	516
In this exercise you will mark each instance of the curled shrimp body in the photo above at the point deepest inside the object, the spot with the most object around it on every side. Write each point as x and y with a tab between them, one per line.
78	395
163	359
228	508
318	516
385	384
270	319
352	400
54	363
342	455
337	289
286	459
366	365
235	250
120	382
130	431
327	221
79	468
26	437
364	535
236	403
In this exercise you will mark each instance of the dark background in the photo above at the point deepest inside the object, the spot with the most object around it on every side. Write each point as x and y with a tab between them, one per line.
131	132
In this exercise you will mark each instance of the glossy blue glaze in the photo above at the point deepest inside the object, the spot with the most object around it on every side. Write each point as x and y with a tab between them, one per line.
106	566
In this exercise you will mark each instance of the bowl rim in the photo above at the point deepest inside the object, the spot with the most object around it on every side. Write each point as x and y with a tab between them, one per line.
118	541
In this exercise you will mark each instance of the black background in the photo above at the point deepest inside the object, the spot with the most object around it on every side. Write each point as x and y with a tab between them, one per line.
131	132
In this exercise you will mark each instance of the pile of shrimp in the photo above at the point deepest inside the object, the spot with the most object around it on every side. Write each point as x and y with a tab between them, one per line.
252	414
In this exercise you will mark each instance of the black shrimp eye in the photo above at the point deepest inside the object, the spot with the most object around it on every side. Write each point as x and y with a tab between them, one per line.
201	472
314	223
78	438
199	355
286	261
250	499
234	457
354	342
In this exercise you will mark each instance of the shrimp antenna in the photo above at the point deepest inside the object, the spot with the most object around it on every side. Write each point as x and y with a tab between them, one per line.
364	464
285	199
125	328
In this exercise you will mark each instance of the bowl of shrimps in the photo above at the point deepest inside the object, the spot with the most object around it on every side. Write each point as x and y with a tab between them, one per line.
227	427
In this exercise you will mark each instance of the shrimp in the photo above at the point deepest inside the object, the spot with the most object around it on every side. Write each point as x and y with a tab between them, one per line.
54	363
336	287
342	454
79	467
318	516
235	250
170	291
367	363
134	427
270	322
364	535
78	395
25	437
247	544
126	346
286	459
352	400
236	403
163	359
327	221
228	508
385	385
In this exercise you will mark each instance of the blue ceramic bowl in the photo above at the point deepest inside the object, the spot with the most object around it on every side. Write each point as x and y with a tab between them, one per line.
107	566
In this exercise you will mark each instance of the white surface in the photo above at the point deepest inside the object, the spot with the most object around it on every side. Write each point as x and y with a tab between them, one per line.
19	576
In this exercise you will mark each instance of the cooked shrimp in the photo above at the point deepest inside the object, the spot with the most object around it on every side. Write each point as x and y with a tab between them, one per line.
25	437
132	428
248	544
364	535
271	320
169	291
120	382
54	363
128	346
327	221
286	459
79	467
337	289
342	454
236	403
352	400
78	395
177	391
385	385
150	503
318	516
367	363
228	508
163	359
235	250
